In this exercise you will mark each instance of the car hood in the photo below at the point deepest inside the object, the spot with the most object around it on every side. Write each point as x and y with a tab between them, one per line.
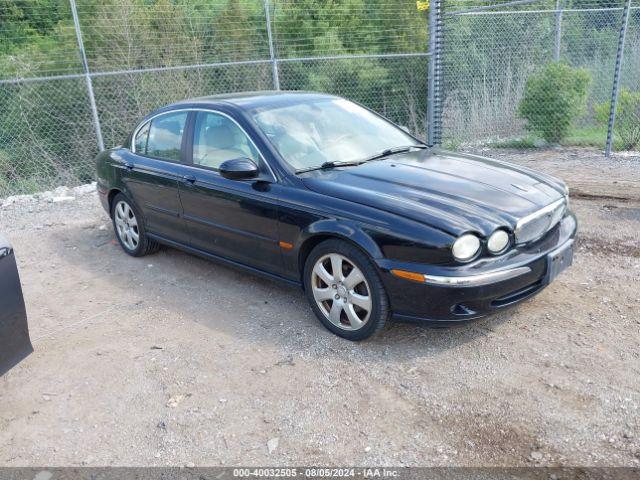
452	192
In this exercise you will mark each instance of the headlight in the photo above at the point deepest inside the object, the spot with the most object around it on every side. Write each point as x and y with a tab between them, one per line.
466	247
498	242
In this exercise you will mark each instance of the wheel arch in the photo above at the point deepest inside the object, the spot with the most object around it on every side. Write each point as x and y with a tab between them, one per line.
120	189
335	230
112	194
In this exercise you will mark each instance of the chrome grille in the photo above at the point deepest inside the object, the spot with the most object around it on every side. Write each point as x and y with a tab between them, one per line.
534	226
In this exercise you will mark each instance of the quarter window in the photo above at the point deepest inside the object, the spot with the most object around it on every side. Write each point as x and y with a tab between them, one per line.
165	136
141	139
218	139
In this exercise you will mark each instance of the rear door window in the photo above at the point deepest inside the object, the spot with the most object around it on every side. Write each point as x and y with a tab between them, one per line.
165	136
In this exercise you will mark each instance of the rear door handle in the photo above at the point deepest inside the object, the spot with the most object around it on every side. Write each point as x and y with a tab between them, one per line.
189	179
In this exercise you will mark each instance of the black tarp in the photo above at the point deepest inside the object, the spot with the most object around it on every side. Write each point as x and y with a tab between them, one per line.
14	331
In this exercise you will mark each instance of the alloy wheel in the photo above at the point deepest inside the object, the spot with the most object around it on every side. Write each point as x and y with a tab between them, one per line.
127	225
341	292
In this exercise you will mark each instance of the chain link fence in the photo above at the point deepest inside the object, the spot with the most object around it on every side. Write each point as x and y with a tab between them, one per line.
535	73
78	74
628	105
66	87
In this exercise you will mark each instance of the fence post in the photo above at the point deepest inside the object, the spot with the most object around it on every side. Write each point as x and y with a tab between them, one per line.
87	75
559	9
616	76
434	97
272	51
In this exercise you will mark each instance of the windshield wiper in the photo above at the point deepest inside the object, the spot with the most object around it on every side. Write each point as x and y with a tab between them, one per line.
393	151
385	153
327	165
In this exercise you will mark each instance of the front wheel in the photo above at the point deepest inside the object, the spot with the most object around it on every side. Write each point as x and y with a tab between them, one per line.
345	290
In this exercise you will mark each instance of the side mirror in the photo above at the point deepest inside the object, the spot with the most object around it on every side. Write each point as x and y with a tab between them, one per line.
239	169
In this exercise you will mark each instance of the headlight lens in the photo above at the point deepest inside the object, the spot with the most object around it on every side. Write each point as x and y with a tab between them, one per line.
498	242
466	247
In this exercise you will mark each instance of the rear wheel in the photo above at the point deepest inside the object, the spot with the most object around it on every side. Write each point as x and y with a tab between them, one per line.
345	290
128	224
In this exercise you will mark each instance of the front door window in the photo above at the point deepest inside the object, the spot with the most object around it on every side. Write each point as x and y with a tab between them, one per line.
218	139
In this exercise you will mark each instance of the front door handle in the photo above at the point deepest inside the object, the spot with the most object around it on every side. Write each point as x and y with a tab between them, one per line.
189	179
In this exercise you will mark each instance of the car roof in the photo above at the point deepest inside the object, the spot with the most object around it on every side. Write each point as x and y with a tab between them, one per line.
253	100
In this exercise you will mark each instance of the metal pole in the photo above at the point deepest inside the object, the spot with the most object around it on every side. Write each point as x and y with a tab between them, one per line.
272	52
559	7
616	76
431	76
434	97
87	75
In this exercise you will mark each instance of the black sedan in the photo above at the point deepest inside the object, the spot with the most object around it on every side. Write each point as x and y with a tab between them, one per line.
14	331
320	192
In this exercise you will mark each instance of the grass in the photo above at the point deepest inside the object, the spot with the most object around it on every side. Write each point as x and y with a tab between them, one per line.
26	185
451	144
587	136
519	142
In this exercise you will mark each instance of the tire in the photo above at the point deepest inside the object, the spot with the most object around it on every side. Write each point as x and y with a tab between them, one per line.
351	306
128	225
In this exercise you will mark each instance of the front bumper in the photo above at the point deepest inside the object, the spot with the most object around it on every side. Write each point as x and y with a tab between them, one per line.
450	295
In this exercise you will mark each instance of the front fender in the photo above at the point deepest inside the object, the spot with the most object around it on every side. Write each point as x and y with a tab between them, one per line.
345	229
321	229
408	241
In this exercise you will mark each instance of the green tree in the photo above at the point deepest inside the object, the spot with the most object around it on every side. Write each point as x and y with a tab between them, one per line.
553	99
627	125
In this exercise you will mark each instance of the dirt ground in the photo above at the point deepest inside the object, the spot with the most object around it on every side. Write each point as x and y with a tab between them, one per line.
174	360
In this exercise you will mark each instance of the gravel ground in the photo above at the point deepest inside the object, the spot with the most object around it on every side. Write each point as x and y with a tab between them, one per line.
174	360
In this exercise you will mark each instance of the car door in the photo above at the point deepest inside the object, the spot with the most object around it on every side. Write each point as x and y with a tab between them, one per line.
234	219
14	332
151	172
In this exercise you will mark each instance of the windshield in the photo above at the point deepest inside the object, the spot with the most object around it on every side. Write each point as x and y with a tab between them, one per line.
328	130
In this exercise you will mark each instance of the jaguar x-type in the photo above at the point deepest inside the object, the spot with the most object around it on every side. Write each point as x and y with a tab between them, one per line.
321	192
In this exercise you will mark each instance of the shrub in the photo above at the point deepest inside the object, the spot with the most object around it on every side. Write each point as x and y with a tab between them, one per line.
552	100
627	125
